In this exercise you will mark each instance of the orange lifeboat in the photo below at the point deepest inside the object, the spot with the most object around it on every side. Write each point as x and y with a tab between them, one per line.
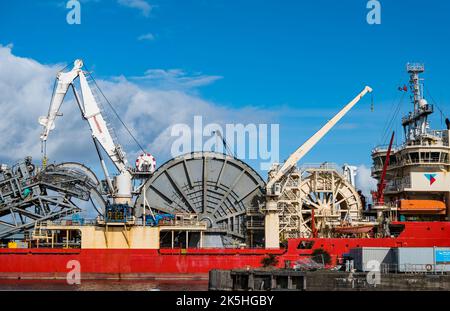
353	229
422	207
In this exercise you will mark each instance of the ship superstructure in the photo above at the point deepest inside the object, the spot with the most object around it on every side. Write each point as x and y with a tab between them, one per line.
417	185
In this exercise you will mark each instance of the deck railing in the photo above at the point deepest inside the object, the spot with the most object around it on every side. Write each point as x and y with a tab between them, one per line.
408	268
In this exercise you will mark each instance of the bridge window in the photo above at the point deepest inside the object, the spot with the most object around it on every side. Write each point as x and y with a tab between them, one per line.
414	157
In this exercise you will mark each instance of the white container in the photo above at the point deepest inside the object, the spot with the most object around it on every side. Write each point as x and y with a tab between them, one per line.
415	259
384	256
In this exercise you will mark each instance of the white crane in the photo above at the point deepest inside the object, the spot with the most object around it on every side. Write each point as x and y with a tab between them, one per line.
272	238
121	190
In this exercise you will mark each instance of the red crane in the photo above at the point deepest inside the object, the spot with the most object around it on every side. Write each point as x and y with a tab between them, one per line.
378	196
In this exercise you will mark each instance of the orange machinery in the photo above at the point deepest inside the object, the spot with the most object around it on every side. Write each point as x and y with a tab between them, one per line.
434	207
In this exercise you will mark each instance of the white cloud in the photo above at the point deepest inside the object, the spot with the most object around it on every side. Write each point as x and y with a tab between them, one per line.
141	5
175	79
148	109
364	181
152	112
26	88
146	37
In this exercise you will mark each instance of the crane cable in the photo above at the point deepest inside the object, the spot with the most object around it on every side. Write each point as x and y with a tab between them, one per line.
115	112
224	142
389	123
442	114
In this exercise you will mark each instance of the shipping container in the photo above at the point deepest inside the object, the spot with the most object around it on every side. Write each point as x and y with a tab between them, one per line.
416	259
362	256
442	259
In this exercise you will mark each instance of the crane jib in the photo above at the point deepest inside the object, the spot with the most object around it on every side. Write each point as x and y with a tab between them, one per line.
313	140
101	134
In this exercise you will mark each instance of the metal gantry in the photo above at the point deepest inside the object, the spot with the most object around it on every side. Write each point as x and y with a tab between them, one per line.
321	188
29	195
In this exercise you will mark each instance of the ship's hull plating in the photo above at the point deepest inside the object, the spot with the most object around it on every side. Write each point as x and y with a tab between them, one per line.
196	263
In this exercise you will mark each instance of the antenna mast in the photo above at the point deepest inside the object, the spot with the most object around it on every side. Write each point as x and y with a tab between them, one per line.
415	124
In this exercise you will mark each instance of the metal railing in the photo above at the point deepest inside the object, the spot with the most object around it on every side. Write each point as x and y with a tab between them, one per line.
178	221
433	160
425	109
183	220
255	224
415	67
325	166
408	268
399	184
384	148
441	135
67	222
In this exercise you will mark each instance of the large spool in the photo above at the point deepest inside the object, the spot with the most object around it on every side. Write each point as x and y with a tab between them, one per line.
331	196
221	190
314	200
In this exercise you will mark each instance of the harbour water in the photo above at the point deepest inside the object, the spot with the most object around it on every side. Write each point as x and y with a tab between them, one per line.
105	285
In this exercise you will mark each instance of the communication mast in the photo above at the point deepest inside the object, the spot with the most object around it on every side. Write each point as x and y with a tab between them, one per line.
415	124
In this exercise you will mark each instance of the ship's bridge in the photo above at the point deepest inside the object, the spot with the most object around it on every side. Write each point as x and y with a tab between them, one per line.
432	150
417	177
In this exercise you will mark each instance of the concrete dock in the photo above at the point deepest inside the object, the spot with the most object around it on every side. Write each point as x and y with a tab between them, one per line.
292	280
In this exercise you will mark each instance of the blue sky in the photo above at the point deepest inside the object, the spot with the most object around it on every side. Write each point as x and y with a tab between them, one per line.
300	61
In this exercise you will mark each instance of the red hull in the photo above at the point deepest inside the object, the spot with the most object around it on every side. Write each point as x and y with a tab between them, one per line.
125	263
136	263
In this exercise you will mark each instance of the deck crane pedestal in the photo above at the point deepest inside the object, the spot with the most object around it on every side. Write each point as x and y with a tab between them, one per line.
120	189
279	172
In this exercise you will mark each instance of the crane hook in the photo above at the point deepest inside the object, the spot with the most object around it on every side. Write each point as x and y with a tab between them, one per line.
44	154
372	108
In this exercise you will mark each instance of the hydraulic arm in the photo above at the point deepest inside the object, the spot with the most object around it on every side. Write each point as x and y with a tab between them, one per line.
122	188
